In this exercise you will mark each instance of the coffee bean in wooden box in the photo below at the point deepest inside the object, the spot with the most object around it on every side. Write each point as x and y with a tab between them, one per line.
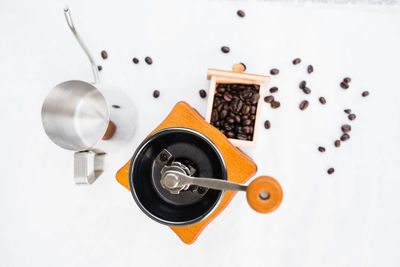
224	107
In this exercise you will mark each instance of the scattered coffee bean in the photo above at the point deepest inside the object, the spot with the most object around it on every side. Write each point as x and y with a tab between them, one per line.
244	66
225	49
104	54
148	60
267	124
116	106
347	80
274	71
234	110
348	111
310	69
202	93
337	143
269	99
344	137
306	90
156	93
99	67
321	149
322	100
302	84
135	60
344	85
241	13
275	104
303	105
331	170
352	117
296	61
273	89
365	93
346	128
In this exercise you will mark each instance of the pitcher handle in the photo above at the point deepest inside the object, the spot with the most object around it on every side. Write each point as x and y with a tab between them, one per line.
88	166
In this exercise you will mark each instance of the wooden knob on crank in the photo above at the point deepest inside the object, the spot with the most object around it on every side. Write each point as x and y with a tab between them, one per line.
264	194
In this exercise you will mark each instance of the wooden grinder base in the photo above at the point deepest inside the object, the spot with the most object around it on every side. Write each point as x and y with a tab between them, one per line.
240	166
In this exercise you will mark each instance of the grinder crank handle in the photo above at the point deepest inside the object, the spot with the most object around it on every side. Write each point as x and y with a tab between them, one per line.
264	194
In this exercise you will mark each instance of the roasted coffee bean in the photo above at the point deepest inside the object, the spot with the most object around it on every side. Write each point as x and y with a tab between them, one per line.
245	109
246	129
244	117
225	49
337	143
347	80
228	127
221	89
148	60
352	117
227	97
230	134
267	124
310	69
214	116
135	60
254	98
241	136
240	13
344	137
104	54
331	170
303	105
222	114
302	84
365	93
156	93
344	85
273	89
230	120
246	122
348	111
235	106
306	90
274	71
275	104
269	99
202	93
346	128
247	94
237	119
322	100
296	61
99	67
116	106
220	107
321	149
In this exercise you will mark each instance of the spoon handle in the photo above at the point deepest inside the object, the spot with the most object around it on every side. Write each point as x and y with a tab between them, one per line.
71	25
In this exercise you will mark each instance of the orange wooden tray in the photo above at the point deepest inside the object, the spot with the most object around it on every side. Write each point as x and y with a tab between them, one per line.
240	166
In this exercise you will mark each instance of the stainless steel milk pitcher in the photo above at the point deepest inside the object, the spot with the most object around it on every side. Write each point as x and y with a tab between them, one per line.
87	118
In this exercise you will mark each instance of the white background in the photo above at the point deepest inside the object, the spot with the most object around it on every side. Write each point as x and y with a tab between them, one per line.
351	218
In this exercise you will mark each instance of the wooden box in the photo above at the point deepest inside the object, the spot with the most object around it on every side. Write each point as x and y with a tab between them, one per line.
237	77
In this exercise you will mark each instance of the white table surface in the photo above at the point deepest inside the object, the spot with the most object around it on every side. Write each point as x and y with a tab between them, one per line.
351	218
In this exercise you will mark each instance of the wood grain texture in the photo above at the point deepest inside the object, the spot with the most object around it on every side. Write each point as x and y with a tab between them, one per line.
240	166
